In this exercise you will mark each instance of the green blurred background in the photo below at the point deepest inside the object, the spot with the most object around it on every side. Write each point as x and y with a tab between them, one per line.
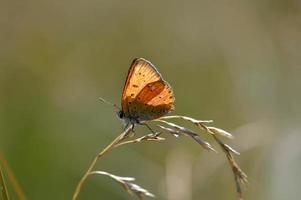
236	62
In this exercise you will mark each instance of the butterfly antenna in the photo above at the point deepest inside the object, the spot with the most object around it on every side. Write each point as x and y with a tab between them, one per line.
107	102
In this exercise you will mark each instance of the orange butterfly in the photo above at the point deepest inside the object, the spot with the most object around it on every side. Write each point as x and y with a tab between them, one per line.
146	96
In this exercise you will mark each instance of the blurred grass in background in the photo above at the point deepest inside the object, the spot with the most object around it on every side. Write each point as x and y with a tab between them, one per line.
236	62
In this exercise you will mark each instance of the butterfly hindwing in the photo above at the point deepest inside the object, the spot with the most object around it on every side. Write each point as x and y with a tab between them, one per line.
146	95
154	101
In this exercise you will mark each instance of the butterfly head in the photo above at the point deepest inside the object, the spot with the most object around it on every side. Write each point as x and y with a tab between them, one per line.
125	120
120	114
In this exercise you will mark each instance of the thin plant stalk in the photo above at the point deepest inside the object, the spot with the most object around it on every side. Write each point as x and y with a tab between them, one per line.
12	178
176	130
118	139
3	188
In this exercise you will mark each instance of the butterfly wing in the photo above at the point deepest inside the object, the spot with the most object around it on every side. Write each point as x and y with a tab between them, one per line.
153	101
146	95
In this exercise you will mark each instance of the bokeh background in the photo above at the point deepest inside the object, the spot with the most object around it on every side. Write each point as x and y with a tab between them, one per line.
236	62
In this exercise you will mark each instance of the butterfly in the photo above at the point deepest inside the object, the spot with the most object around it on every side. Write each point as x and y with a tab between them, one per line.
146	95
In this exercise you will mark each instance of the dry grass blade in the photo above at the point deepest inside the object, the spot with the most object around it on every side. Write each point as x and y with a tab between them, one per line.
201	124
230	149
3	188
178	130
149	137
174	132
128	185
239	176
195	121
220	132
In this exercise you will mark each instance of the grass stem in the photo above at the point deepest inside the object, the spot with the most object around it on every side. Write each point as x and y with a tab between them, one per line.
118	139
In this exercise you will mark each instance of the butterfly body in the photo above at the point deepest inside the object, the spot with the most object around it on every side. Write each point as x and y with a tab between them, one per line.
146	96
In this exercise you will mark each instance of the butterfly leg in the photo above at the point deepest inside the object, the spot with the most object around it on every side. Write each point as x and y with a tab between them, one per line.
144	124
126	125
131	133
133	126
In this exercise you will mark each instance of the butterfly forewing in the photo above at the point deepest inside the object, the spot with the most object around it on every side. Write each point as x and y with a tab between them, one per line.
146	95
139	75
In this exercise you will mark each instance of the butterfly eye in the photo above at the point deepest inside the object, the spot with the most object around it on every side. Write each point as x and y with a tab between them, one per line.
120	114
